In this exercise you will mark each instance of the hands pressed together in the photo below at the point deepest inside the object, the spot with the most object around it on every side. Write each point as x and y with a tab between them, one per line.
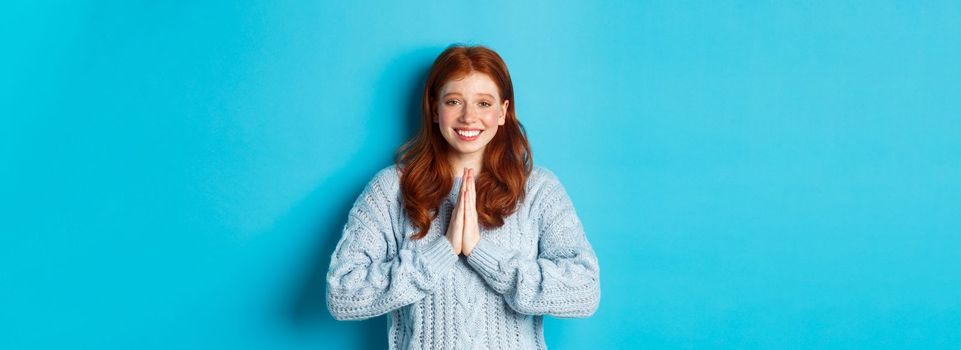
464	230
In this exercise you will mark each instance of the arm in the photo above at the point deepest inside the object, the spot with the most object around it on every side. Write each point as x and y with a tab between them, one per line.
563	281
363	281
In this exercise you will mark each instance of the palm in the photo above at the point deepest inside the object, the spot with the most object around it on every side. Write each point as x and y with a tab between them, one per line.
471	227
464	231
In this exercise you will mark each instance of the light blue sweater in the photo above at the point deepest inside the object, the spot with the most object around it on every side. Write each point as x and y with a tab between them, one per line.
538	263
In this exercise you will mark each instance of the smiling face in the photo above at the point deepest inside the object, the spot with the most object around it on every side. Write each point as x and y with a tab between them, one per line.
469	110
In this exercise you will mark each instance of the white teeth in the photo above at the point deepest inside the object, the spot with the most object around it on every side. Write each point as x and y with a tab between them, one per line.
468	133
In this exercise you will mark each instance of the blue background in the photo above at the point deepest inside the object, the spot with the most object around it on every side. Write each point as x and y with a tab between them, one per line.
753	175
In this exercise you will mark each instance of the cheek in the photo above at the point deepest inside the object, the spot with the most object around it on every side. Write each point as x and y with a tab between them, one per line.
445	119
490	119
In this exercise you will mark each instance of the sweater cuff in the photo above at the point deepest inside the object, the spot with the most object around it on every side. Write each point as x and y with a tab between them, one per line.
439	255
487	256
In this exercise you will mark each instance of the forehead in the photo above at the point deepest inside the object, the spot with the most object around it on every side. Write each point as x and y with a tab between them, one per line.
471	84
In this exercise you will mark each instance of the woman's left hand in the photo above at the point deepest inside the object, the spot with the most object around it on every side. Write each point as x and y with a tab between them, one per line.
471	225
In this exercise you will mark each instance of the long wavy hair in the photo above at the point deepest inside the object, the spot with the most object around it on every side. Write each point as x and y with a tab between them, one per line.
426	175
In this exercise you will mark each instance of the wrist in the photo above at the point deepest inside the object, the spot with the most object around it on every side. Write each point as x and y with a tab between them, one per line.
469	246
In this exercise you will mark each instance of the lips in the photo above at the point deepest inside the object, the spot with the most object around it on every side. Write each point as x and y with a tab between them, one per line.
468	134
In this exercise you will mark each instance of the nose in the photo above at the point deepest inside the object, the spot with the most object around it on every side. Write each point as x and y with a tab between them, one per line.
468	115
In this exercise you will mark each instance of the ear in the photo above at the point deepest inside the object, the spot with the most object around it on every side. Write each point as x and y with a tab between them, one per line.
503	118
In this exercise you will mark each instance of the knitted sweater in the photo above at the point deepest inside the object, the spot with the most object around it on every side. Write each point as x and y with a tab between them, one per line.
538	263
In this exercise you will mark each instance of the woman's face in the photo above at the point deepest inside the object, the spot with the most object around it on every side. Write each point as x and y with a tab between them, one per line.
469	111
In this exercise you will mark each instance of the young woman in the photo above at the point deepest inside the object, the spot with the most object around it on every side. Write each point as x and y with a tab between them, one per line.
463	240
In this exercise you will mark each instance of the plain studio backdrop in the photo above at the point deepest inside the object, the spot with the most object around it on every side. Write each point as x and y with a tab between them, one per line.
752	175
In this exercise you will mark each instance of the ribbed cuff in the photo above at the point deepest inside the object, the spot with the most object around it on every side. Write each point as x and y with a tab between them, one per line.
439	255
486	256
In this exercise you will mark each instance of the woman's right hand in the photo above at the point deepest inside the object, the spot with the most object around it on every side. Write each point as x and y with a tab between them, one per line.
455	232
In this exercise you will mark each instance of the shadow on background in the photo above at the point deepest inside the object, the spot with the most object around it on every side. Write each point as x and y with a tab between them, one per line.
309	308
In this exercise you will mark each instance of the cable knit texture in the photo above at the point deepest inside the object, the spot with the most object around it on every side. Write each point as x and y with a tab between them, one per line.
538	263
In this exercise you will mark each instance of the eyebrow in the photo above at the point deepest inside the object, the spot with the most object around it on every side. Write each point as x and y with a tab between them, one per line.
457	93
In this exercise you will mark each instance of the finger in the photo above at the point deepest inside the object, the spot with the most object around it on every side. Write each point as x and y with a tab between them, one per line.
463	192
466	194
461	201
466	183
472	194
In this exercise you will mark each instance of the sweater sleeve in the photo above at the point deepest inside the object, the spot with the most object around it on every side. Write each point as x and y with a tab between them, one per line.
368	275
562	281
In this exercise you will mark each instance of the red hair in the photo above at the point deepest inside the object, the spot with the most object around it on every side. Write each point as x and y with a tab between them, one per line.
426	175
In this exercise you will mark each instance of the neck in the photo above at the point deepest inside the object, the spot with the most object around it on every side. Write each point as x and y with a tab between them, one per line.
459	162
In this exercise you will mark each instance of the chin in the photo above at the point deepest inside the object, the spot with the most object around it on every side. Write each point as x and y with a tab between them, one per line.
466	151
459	148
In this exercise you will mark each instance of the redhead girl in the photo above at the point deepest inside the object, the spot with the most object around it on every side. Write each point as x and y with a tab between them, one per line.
463	241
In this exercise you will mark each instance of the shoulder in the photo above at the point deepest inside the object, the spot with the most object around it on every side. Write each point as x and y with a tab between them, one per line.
548	201
387	174
378	199
543	186
541	178
384	182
